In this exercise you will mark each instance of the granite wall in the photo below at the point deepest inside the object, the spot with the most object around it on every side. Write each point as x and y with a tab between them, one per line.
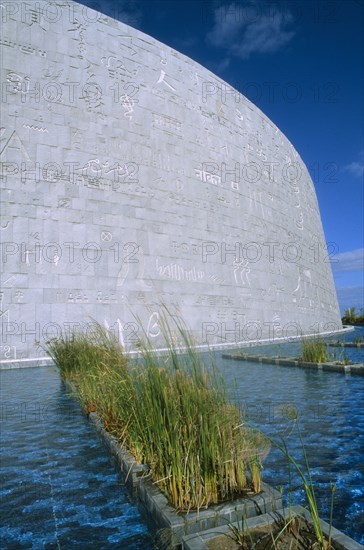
132	176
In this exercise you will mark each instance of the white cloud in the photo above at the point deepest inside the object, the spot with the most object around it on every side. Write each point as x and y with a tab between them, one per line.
219	66
244	33
348	261
356	168
350	296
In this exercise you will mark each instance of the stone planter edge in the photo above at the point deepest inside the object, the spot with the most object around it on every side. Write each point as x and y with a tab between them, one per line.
199	541
355	368
156	507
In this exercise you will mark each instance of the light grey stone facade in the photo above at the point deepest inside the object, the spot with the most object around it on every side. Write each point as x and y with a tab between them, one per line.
132	176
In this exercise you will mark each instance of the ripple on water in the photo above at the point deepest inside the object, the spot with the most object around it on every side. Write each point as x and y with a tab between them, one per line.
58	482
331	420
58	478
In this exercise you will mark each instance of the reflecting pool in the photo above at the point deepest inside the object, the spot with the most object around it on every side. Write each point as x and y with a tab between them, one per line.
329	408
59	488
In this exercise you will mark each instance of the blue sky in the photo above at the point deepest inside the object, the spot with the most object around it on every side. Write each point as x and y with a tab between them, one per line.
301	63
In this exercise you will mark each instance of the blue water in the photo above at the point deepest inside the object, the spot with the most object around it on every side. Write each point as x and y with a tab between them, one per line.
293	349
330	414
59	488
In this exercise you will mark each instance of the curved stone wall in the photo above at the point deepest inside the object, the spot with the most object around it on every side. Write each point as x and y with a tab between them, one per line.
132	176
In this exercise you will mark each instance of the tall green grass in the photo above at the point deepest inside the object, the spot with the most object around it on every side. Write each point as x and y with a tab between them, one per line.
314	351
288	525
304	473
171	412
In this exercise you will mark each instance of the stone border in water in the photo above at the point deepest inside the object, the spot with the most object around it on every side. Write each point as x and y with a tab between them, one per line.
47	361
155	506
355	368
26	363
345	344
199	541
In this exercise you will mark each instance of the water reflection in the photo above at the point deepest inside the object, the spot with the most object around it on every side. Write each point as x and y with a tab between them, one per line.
331	419
59	488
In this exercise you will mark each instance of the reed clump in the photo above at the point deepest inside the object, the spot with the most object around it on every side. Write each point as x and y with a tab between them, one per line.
98	371
170	412
314	351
